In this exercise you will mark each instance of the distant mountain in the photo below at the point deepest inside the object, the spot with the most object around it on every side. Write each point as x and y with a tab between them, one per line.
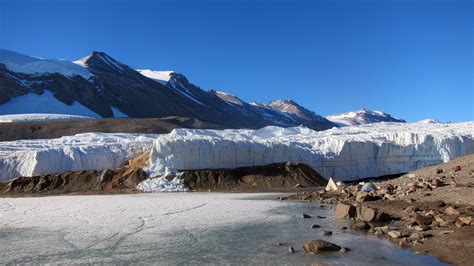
363	116
100	86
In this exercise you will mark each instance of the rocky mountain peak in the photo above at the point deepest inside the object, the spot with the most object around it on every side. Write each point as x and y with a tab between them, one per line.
363	116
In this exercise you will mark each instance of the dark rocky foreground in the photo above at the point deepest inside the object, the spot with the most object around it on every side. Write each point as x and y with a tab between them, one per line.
271	177
56	129
430	211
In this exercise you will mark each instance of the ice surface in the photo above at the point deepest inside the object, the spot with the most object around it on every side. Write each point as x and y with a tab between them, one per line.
45	103
30	65
89	151
88	224
160	184
178	229
347	153
39	117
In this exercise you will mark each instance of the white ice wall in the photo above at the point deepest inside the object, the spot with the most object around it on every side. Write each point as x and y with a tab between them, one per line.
344	153
89	151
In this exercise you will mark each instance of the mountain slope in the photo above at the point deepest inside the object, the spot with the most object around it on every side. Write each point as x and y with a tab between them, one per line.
104	87
362	117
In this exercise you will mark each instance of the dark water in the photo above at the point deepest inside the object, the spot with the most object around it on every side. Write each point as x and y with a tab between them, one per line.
257	243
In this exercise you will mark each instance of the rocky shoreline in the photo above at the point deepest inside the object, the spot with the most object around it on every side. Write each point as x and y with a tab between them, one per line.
429	211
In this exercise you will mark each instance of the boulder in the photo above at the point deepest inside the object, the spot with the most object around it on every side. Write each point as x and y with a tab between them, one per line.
306	216
345	211
372	215
395	234
318	245
467	220
423	220
361	225
451	211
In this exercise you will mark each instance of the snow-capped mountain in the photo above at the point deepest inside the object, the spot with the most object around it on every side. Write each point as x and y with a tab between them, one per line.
98	85
363	116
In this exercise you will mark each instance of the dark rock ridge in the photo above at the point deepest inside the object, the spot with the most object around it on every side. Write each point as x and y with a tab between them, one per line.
255	178
363	116
57	129
116	85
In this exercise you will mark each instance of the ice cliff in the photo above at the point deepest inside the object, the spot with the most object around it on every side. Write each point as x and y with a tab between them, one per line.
347	153
89	151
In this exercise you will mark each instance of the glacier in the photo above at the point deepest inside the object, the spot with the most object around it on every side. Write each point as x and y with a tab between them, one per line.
345	154
87	151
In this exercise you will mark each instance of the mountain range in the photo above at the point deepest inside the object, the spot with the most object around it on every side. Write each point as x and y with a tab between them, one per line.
100	86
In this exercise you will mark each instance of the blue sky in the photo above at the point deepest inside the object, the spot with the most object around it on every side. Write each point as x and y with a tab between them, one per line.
413	59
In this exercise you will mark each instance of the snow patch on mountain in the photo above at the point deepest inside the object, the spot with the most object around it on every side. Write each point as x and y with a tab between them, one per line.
347	153
229	98
363	116
39	117
160	76
45	103
429	121
117	113
21	63
88	151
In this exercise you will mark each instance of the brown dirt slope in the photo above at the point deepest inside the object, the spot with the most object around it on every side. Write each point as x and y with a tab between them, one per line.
256	178
56	129
121	180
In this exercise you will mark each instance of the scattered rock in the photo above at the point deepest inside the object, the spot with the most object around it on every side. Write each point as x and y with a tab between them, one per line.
404	243
318	245
327	233
422	228
343	228
291	250
396	234
379	232
344	250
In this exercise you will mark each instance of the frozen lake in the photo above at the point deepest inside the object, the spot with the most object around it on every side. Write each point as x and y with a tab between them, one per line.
179	228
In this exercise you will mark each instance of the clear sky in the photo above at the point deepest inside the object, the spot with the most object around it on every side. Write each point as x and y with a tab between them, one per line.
413	59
